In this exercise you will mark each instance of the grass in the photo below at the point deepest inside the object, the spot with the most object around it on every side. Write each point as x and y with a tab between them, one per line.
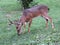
38	34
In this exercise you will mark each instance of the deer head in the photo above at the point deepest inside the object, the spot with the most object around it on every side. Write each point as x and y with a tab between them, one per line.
17	24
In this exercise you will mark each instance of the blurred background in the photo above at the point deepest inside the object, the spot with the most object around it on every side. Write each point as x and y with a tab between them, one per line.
12	9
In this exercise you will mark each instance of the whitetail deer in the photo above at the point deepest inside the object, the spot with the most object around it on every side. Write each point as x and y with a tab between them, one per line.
29	14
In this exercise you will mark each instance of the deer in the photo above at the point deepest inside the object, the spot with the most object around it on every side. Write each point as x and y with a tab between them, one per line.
29	14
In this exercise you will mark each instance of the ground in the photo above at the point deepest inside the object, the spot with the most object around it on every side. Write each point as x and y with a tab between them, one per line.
38	34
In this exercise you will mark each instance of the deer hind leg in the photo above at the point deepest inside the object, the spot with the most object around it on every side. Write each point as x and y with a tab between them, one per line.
48	18
46	23
29	25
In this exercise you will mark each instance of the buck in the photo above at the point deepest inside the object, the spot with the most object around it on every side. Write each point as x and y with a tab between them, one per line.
29	14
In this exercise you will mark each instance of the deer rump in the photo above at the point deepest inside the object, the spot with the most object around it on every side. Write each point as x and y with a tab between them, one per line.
35	11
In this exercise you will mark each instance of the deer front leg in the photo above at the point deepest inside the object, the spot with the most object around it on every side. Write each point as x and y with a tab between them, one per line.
29	25
24	26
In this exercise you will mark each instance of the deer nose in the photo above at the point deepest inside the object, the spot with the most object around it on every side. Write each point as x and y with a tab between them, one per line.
16	27
18	32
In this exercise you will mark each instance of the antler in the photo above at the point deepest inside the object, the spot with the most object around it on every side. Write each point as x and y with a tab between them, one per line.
13	22
10	22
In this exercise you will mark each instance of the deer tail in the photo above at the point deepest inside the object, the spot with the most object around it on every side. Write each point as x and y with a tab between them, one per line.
48	9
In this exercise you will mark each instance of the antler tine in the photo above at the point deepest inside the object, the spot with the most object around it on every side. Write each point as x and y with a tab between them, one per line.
10	22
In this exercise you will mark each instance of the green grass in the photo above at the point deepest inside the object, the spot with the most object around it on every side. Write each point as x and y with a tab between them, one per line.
38	34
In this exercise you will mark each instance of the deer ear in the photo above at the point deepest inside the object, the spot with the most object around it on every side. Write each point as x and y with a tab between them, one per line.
20	23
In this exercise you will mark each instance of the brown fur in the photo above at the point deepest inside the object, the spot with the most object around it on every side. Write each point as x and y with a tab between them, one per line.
29	14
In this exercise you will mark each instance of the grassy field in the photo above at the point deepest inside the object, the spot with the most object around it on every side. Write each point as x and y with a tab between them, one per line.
38	34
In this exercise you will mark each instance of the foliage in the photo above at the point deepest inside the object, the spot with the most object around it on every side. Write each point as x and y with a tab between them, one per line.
38	34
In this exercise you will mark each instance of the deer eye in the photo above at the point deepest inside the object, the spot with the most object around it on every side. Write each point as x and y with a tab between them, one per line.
16	27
